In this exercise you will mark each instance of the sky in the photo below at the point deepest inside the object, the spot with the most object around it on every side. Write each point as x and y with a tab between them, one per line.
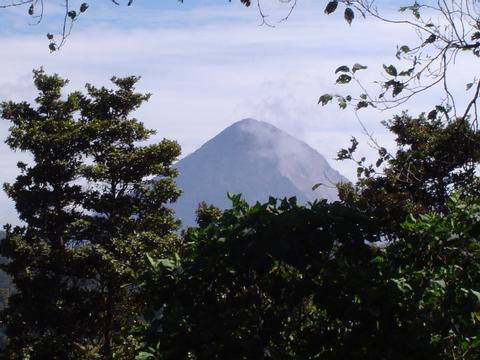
207	65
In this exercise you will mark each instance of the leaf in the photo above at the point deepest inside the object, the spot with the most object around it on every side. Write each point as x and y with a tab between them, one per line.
359	171
325	99
143	355
49	36
397	88
344	79
477	315
316	186
469	86
402	285
83	7
354	145
343	68
342	102
52	46
402	49
432	115
430	39
440	283
390	70
358	66
378	260
30	10
167	264
349	15
152	262
362	104
476	36
72	14
331	7
477	294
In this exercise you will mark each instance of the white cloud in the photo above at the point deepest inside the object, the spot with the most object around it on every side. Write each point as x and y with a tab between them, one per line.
208	67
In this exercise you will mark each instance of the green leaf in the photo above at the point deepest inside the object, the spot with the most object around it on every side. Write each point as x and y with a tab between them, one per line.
344	79
378	260
83	7
358	66
397	88
325	99
402	285
349	15
343	68
167	264
390	70
143	355
152	262
402	49
430	39
477	294
331	7
440	283
362	104
342	102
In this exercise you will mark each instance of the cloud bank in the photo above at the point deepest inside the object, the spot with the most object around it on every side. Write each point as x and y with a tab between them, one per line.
208	66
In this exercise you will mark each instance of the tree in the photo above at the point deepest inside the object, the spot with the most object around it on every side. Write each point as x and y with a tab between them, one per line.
433	159
270	282
92	208
281	280
437	149
435	267
274	280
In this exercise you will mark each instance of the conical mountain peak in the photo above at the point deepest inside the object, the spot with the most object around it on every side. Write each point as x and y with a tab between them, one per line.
256	159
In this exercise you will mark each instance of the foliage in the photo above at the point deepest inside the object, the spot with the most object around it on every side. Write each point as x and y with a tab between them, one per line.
36	10
90	208
258	284
391	271
280	280
447	31
434	158
436	268
207	214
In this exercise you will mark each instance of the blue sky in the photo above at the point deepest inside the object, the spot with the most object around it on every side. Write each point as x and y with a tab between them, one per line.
209	64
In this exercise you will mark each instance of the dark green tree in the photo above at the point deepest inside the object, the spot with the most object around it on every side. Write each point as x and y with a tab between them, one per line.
284	281
92	200
434	266
434	158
